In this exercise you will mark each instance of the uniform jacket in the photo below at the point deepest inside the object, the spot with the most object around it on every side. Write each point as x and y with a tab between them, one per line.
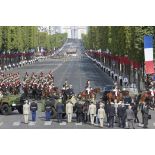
60	107
26	109
101	113
33	106
69	108
92	109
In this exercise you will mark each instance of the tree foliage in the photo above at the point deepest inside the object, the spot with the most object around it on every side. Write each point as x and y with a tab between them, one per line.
25	38
120	40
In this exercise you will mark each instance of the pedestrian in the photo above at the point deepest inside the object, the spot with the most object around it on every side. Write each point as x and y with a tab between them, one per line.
69	111
101	115
26	111
48	110
60	110
92	112
130	117
145	115
112	114
33	108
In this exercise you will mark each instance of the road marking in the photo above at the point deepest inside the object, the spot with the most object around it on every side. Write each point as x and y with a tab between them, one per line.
32	123
153	124
48	123
1	123
63	123
78	123
16	123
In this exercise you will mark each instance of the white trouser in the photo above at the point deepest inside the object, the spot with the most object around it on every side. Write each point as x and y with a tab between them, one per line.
26	118
101	122
69	117
92	118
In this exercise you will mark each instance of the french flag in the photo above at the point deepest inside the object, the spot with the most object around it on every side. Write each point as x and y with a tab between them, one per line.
148	53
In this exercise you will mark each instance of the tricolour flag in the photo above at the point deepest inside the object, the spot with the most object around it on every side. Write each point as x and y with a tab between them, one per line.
148	54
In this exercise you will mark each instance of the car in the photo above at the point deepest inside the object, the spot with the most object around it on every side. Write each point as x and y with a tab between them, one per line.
108	88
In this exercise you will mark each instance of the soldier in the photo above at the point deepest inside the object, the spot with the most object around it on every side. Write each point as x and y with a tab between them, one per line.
33	108
92	112
85	111
60	109
26	111
69	111
101	115
48	110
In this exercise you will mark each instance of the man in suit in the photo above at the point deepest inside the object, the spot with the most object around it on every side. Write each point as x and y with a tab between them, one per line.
69	111
145	115
26	111
79	111
59	109
101	115
111	115
92	112
33	108
130	117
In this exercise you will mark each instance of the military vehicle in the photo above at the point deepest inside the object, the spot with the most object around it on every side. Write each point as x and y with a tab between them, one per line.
10	103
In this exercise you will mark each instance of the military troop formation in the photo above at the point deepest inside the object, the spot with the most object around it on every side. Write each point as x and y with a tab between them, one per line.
10	83
38	85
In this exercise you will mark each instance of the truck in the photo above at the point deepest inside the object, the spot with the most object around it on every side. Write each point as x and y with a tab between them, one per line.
10	103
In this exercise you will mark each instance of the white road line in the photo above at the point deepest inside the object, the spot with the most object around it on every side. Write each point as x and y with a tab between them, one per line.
32	123
48	123
140	125
63	123
1	123
78	124
16	123
153	124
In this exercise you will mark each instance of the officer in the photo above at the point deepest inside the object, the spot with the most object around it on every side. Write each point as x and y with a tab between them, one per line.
70	91
60	109
26	111
69	111
79	111
101	115
92	112
33	108
48	110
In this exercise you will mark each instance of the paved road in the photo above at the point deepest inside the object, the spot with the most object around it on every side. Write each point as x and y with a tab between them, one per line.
77	70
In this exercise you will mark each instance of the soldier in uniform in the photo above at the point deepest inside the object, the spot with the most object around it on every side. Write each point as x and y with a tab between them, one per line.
92	112
33	108
69	111
60	109
26	111
101	115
